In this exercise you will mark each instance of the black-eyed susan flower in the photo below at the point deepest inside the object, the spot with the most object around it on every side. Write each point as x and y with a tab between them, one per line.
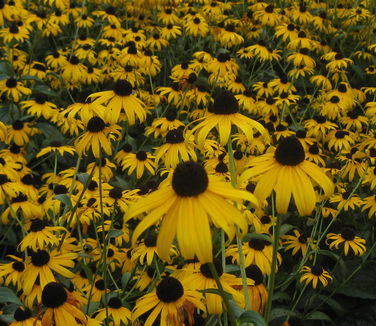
97	137
58	147
171	301
222	115
177	149
199	277
120	103
286	171
41	263
115	311
61	307
40	236
188	202
13	89
196	26
348	241
73	71
139	162
296	243
256	251
257	292
315	275
23	317
11	273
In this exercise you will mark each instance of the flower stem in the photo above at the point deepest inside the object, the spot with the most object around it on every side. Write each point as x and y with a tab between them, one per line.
271	281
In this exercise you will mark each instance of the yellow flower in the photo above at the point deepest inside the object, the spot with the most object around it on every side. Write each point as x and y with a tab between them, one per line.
188	202
286	171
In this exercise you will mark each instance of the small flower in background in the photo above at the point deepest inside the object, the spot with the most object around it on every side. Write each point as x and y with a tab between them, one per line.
97	138
297	242
348	241
221	116
115	311
315	275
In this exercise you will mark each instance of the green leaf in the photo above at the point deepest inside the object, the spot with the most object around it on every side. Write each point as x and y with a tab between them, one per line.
362	285
64	198
285	228
126	277
7	295
282	312
44	90
250	236
318	315
250	316
30	77
115	233
235	308
83	178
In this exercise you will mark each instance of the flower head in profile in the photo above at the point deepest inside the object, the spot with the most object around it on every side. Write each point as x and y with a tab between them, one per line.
286	171
187	204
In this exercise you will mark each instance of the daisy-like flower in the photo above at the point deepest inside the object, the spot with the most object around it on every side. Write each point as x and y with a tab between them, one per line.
169	300
23	317
199	277
370	203
40	106
286	171
61	307
11	273
256	251
41	236
41	264
221	116
138	163
97	137
114	311
297	242
120	103
257	292
348	241
176	149
13	89
315	274
56	146
188	202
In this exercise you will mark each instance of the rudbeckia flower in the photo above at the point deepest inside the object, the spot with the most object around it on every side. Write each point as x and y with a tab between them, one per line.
61	307
41	263
199	277
348	241
169	300
286	171
56	147
175	150
11	273
315	274
97	137
115	311
23	317
120	103
13	89
222	115
188	202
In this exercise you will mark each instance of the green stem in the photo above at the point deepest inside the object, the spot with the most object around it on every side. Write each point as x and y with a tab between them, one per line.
223	294
271	281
